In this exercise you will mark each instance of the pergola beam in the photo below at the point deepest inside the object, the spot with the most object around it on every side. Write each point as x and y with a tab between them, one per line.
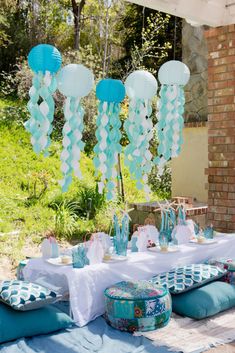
205	12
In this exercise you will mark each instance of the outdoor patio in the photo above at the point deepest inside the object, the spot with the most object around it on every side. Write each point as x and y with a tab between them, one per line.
117	178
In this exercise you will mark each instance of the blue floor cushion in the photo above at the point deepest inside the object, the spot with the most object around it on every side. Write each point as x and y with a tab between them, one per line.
16	324
205	301
182	279
23	295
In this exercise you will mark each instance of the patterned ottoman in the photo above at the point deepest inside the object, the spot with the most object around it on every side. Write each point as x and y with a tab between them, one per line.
137	306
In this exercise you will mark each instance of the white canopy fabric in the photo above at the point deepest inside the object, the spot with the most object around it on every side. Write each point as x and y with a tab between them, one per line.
197	12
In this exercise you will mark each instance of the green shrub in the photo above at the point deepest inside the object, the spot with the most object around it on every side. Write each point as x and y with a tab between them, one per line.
161	184
65	219
90	201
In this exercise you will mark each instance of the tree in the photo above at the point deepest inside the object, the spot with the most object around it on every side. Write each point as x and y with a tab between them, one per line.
149	38
77	12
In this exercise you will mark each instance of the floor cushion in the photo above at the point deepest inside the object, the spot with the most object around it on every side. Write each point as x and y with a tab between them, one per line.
24	295
16	324
228	264
137	306
205	301
182	279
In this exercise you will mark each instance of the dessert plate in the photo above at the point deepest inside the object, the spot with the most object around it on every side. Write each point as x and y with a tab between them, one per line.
114	259
58	262
170	250
206	242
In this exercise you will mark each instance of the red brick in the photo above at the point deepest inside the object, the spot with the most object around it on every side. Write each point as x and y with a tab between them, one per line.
215	32
217	69
231	211
231	226
222	76
221	124
231	188
231	28
225	92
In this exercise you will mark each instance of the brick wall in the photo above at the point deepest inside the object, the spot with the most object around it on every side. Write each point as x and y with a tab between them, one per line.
221	127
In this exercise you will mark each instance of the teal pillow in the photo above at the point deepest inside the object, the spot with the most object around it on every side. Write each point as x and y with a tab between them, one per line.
16	324
182	279
24	295
205	301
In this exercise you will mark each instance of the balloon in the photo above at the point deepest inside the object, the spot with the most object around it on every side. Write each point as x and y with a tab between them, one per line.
110	90
75	80
174	72
141	84
44	57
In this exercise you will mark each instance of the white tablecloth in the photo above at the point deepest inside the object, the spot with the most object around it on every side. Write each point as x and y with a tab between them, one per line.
86	285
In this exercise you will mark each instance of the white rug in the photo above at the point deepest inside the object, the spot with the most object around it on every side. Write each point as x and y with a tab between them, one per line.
187	335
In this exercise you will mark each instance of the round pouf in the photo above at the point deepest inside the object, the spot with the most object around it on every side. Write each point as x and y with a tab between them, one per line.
137	306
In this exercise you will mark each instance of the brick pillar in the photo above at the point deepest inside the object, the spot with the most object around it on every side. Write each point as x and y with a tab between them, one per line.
221	127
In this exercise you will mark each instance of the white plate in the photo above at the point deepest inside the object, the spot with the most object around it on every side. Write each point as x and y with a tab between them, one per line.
170	250
206	242
116	259
57	261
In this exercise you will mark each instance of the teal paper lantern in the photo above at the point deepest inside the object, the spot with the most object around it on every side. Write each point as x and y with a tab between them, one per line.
45	61
75	80
141	87
44	57
110	92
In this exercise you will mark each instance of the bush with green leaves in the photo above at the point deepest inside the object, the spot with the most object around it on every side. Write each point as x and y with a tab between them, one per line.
161	184
65	219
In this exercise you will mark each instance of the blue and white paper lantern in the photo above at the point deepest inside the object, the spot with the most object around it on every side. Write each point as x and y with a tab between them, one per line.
74	81
141	86
173	76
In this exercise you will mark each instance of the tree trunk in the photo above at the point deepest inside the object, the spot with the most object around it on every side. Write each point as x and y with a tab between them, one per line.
106	42
77	10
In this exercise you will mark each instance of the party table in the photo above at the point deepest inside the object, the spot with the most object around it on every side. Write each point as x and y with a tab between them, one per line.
86	285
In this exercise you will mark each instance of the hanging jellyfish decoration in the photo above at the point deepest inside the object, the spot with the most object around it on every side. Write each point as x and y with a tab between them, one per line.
173	76
75	82
44	60
141	87
110	92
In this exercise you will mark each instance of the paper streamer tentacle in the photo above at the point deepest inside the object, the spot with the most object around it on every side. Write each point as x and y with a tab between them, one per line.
40	122
72	141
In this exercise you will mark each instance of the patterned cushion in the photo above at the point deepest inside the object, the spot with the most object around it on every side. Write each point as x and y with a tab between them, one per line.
227	264
23	295
182	279
137	305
